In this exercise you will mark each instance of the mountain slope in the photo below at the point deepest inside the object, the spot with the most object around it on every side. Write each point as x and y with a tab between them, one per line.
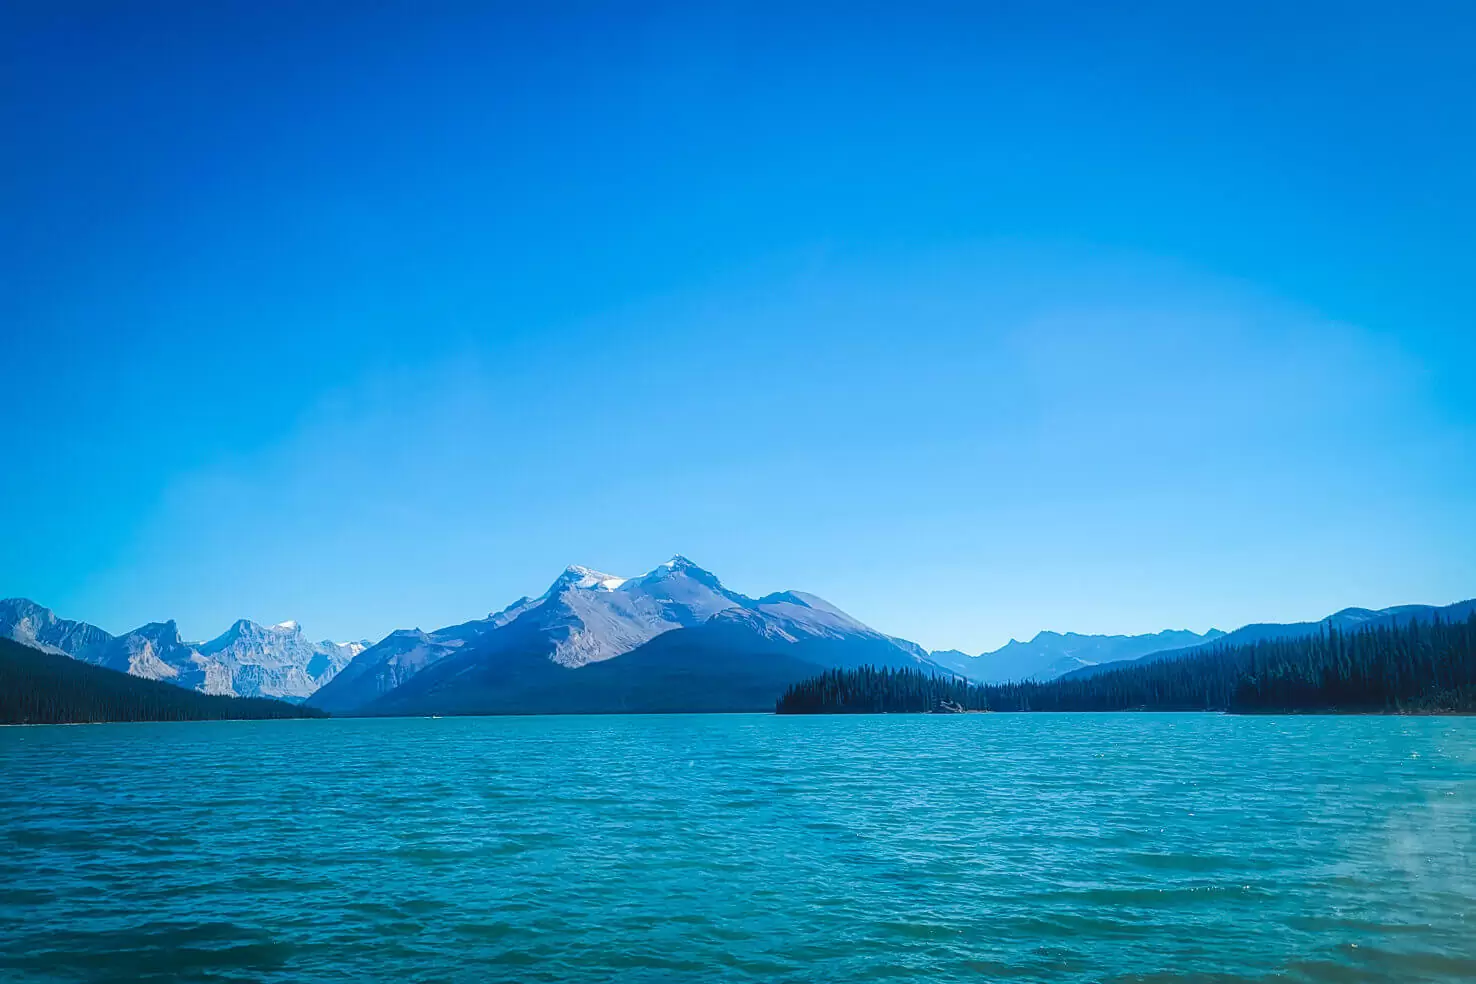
738	660
41	687
584	617
673	638
248	660
693	670
156	652
1346	620
29	624
393	660
588	616
276	660
1052	654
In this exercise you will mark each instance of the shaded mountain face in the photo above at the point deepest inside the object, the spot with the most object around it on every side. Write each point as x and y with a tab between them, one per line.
156	652
46	687
29	624
585	616
593	637
275	660
382	667
248	660
1053	654
1348	619
588	616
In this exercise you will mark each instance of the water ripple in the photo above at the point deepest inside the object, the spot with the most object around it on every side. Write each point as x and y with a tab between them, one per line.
1090	848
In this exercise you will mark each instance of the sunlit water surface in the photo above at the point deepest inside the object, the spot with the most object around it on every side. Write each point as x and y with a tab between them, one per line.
742	848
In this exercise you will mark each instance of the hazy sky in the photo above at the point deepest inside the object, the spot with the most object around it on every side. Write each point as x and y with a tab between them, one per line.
973	319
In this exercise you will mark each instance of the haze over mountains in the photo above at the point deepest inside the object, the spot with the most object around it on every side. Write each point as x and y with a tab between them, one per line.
674	638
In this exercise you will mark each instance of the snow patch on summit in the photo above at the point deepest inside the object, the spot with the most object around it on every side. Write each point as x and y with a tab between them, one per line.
588	615
587	577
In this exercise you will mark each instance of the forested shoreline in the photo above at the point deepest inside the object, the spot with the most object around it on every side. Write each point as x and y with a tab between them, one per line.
38	687
1417	667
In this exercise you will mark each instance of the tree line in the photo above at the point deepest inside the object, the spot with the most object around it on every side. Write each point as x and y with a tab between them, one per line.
1419	666
38	687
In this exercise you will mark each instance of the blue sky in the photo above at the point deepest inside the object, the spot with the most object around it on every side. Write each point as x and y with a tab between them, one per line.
974	319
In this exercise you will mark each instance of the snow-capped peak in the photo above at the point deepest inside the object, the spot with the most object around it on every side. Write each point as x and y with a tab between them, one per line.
679	566
287	626
587	577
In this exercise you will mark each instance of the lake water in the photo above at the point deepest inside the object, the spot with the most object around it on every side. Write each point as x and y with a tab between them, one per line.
742	848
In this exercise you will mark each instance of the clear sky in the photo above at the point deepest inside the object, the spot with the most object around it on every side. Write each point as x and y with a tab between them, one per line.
975	319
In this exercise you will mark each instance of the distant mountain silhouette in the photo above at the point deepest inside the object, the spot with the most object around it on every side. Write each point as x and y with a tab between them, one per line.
1053	654
1413	666
1346	620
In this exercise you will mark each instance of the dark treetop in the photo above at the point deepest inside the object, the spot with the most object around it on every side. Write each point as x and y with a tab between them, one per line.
38	687
1420	666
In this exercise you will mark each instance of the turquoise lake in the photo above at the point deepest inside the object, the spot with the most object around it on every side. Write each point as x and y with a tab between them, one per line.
1129	847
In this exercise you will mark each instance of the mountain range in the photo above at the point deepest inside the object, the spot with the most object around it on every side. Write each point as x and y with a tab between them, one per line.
674	638
1053	654
45	687
247	660
1346	620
